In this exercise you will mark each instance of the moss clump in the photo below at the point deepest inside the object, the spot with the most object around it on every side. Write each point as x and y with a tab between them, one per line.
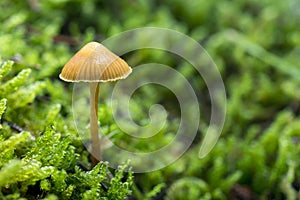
44	164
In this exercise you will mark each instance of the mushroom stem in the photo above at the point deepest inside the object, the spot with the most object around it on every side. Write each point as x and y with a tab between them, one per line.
96	149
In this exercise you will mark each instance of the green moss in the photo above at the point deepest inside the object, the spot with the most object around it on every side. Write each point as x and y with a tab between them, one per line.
256	47
2	107
45	162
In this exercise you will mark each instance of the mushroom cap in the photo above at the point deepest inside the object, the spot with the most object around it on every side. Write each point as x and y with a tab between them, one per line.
95	63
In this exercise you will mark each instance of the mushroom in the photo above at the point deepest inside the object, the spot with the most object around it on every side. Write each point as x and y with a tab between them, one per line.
94	63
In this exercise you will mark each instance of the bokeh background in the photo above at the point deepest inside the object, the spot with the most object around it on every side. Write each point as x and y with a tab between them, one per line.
256	47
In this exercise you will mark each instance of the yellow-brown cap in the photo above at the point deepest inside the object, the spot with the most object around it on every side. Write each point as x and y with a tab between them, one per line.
95	63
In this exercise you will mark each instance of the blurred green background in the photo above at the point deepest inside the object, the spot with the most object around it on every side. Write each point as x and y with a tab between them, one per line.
256	46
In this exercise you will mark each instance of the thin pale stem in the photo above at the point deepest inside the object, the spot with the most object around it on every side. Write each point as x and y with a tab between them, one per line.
96	149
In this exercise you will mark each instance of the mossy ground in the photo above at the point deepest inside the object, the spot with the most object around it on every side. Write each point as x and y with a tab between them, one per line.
257	156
